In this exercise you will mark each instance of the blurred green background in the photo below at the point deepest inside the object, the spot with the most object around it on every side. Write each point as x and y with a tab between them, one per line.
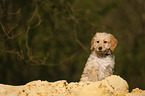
50	39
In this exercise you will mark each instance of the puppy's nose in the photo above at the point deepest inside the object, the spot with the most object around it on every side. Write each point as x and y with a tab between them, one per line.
100	48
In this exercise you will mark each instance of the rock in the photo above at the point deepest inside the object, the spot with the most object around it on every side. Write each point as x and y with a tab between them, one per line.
44	88
105	87
91	90
136	92
8	90
116	83
111	86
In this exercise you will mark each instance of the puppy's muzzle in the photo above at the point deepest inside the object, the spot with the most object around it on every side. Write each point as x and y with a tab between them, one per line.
100	50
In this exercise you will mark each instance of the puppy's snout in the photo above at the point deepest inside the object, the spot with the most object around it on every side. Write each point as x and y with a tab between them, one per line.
100	48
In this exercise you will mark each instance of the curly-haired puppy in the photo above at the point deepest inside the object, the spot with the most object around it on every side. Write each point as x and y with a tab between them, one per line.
101	62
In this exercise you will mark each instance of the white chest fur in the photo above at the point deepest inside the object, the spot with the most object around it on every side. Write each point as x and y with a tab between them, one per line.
98	68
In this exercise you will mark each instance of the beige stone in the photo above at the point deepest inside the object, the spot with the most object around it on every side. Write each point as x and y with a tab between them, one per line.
111	86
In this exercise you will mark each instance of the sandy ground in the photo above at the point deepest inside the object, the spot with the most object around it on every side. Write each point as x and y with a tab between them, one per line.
111	86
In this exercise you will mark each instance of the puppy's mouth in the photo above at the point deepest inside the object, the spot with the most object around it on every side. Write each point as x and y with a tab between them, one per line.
100	51
103	52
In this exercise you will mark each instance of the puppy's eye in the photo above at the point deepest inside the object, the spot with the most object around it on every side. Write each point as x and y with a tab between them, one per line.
97	41
105	41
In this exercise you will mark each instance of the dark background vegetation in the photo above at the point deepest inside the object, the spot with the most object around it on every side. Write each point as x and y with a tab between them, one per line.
50	39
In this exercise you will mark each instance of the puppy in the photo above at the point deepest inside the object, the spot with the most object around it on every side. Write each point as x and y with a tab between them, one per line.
101	62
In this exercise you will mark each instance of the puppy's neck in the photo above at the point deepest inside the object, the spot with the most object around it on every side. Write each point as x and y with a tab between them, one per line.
104	55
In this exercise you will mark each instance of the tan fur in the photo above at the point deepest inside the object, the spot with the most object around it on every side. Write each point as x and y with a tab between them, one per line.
113	42
92	44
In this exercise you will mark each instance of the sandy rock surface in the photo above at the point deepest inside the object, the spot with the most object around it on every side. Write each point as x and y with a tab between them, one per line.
111	86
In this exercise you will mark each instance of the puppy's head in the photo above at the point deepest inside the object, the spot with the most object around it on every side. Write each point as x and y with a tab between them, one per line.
103	42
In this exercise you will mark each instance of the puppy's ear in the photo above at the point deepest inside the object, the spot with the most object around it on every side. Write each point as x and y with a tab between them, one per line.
92	44
113	42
